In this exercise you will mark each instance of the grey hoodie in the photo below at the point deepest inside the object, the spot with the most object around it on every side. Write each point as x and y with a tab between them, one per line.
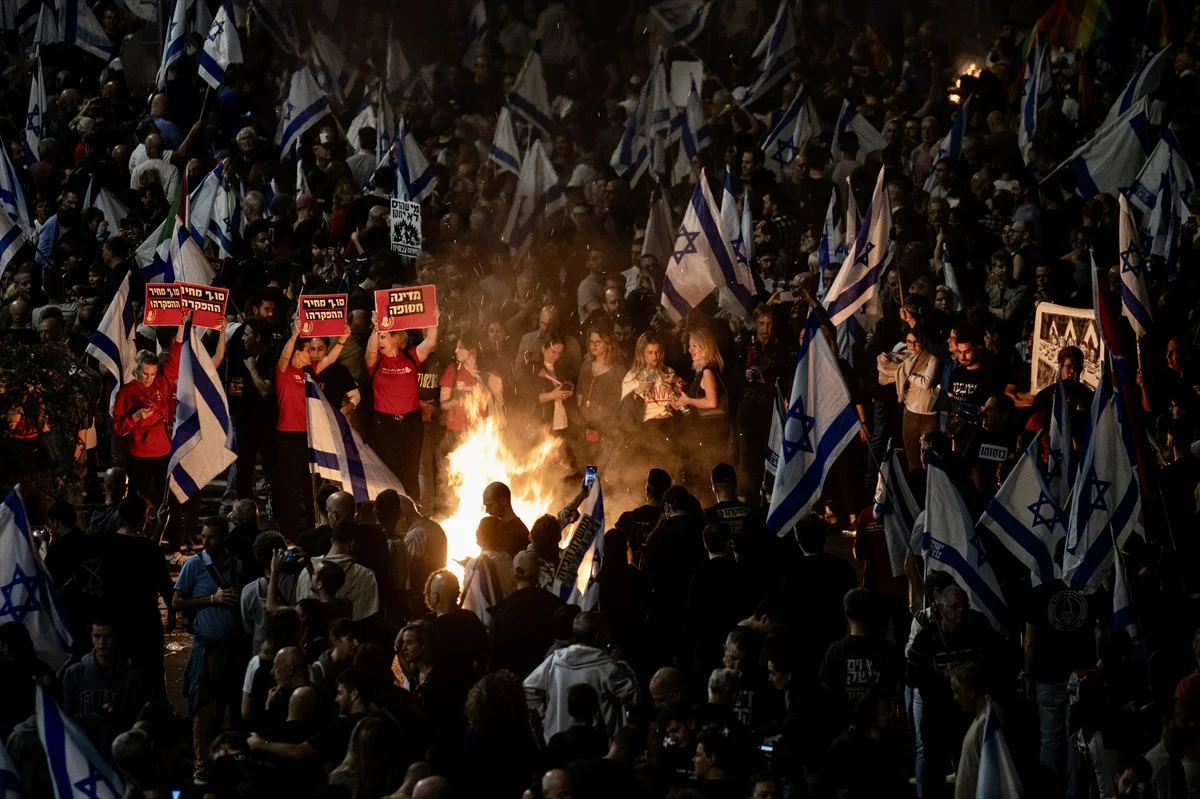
87	689
614	681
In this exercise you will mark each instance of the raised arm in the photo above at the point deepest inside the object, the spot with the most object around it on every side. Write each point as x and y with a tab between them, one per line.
219	355
335	352
429	343
285	355
372	355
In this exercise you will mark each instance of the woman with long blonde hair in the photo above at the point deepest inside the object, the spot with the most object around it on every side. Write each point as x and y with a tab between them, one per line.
646	394
705	436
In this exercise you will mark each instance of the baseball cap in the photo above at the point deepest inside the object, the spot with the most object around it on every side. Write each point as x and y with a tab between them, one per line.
525	564
304	200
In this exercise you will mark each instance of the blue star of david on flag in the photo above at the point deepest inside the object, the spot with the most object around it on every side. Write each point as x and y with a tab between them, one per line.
217	31
288	108
1040	519
785	152
1131	262
865	255
689	247
980	555
90	785
30	604
807	423
1094	492
1054	465
34	121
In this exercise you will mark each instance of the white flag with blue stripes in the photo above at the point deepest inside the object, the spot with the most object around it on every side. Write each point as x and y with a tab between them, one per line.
951	144
1135	297
791	133
76	768
12	239
1027	518
632	154
952	545
1060	465
831	248
38	108
12	196
19	15
397	71
849	120
1144	82
477	33
1165	222
577	579
703	260
1111	160
777	54
416	178
11	786
538	195
222	47
113	343
691	130
657	114
857	283
30	596
304	106
1124	612
1106	504
683	19
340	75
202	446
821	422
896	508
998	777
1166	159
529	98
731	226
505	153
173	48
73	22
336	452
107	203
1036	84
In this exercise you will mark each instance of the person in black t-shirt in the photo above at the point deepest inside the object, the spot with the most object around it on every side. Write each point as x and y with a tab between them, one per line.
997	442
249	368
76	564
637	523
971	383
863	662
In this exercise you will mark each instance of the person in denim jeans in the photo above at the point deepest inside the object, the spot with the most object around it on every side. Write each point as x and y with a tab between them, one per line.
1059	638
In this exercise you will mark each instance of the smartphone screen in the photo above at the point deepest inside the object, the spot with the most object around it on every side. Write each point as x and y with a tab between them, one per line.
589	477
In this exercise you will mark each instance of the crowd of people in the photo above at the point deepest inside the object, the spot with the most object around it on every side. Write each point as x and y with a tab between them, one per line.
335	651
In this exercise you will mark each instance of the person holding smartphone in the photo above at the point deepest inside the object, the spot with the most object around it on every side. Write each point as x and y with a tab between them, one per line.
142	415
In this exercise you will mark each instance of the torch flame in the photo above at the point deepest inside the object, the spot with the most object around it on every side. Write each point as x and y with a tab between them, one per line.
485	457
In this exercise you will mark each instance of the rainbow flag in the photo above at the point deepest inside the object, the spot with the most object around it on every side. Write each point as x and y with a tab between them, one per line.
1157	33
1072	24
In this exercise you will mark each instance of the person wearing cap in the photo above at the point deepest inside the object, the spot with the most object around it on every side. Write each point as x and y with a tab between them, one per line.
523	622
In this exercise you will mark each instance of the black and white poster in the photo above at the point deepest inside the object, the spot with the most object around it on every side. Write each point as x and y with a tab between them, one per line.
406	228
1056	327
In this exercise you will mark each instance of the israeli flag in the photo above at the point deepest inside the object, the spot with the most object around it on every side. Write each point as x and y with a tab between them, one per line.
153	254
76	768
73	22
1143	83
375	111
304	106
1037	83
20	15
505	153
683	19
775	439
776	53
660	232
831	246
1124	613
791	133
952	544
30	596
301	180
113	343
703	260
869	139
1165	160
1135	297
416	178
857	283
202	446
11	786
658	113
340	73
691	130
821	422
397	70
107	203
214	211
998	777
1060	472
528	97
951	144
950	278
538	195
1106	505
1111	159
337	453
12	197
185	260
1165	223
1026	517
222	47
38	107
577	579
896	509
12	239
477	33
174	47
731	225
631	157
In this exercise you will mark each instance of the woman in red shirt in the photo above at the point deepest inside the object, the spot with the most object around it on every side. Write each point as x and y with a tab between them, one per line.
142	415
294	505
467	391
399	430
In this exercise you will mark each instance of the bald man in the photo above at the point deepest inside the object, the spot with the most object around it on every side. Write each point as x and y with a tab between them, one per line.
497	501
432	788
106	521
294	698
667	687
462	638
556	784
155	168
171	134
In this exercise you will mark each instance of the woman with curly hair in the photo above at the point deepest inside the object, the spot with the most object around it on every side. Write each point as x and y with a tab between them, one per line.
498	746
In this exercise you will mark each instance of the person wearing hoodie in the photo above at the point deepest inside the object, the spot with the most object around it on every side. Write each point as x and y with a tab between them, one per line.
585	661
103	690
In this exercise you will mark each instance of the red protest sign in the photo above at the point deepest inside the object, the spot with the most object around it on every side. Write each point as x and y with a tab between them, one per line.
322	315
207	304
407	308
162	307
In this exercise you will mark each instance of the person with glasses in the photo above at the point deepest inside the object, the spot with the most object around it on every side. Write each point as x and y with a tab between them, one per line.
914	372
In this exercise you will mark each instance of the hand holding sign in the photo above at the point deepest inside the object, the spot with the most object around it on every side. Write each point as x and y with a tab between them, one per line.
408	308
206	303
321	314
162	307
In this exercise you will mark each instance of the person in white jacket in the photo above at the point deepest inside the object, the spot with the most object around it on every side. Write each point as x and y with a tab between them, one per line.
914	372
585	661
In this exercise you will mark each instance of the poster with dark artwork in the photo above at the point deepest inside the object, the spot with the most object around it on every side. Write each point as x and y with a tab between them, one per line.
1056	327
406	228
